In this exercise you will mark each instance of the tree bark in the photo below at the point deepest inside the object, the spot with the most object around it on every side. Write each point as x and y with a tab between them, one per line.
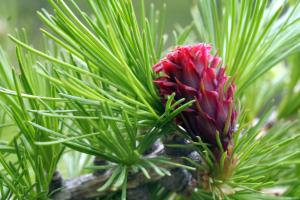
85	187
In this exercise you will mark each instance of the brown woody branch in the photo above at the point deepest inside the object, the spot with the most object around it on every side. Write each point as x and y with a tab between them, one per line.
85	186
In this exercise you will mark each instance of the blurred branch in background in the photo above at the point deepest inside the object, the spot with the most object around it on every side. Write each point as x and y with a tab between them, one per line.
291	96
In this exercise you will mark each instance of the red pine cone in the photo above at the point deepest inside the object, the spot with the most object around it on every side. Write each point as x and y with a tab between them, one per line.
194	74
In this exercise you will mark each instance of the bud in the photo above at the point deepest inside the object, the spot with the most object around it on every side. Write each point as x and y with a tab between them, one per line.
191	72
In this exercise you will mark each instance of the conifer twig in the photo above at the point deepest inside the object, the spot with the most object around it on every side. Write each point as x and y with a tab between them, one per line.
86	186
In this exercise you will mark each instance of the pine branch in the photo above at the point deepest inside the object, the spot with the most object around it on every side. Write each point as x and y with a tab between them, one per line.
82	187
86	186
96	96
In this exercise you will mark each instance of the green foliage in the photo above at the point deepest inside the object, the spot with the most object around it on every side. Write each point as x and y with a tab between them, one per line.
100	99
30	158
250	36
90	93
266	158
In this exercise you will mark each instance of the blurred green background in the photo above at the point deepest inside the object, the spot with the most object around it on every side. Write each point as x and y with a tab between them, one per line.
16	14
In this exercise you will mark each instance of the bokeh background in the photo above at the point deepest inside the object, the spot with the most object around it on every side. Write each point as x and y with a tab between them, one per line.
17	14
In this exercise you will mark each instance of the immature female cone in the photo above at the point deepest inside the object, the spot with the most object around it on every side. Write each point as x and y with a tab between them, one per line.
191	72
